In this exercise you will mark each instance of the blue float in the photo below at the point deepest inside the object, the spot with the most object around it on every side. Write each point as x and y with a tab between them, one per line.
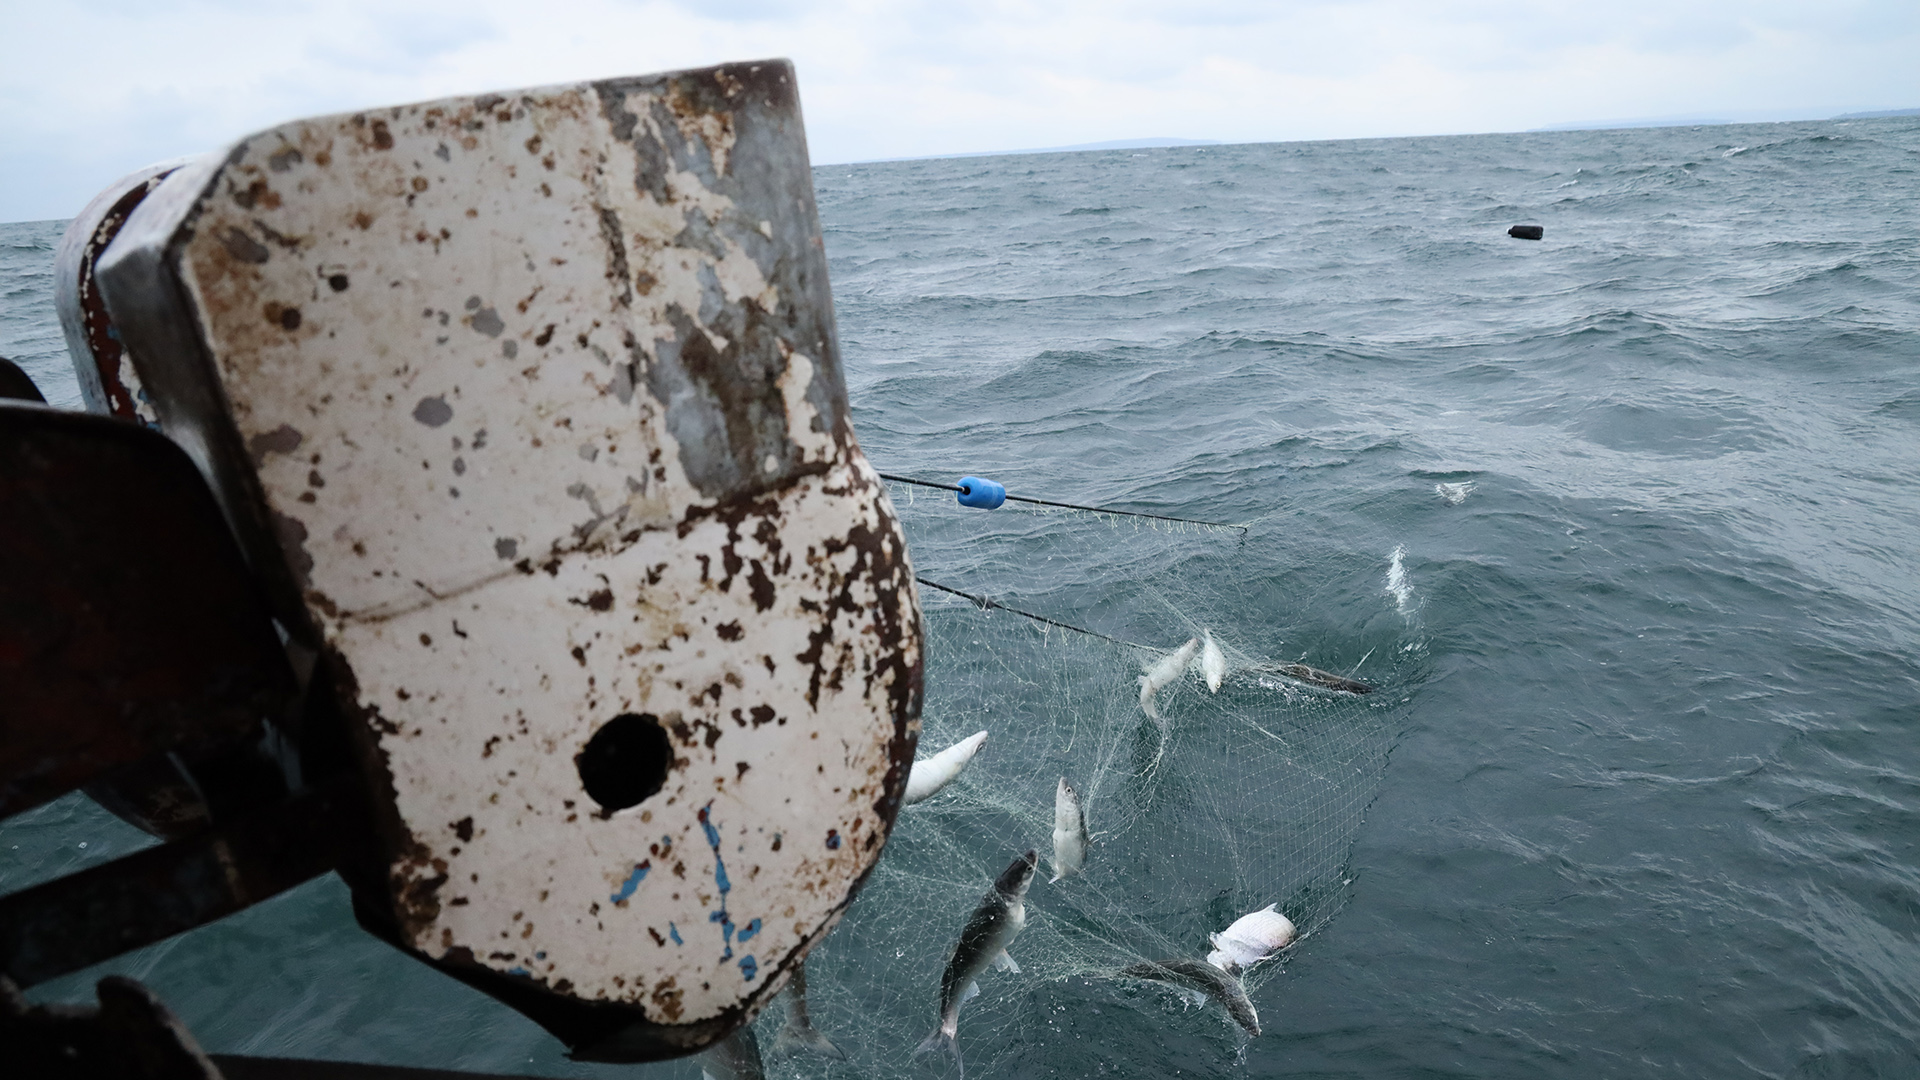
981	494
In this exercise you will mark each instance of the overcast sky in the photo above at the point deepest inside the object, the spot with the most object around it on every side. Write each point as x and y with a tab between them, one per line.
92	89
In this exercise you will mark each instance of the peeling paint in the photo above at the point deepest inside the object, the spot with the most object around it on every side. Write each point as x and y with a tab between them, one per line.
633	881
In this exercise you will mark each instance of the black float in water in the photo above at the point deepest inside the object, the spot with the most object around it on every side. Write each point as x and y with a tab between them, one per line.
1526	232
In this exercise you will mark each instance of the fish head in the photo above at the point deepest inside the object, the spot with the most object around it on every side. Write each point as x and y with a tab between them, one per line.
1013	883
1065	793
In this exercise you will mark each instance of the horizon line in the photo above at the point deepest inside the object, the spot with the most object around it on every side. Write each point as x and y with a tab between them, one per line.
1162	142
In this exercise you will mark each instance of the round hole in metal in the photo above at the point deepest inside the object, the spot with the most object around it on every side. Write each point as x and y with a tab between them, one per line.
625	761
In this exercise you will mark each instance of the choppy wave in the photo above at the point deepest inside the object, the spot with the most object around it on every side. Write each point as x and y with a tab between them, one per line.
1651	804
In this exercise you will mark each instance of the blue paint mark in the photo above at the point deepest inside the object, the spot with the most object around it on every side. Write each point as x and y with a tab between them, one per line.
674	933
543	956
749	968
749	930
524	971
633	880
721	915
833	839
713	841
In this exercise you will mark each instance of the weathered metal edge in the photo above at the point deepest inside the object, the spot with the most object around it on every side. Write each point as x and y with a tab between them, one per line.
139	278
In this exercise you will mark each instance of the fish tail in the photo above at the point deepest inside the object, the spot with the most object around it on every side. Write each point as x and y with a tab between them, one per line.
795	1038
940	1040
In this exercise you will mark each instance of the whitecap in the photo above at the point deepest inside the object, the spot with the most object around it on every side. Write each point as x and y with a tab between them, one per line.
1397	584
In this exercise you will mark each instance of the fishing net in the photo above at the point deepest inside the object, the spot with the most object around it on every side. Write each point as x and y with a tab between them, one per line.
1231	801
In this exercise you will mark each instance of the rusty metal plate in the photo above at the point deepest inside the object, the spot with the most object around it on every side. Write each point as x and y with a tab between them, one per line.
529	407
129	627
109	384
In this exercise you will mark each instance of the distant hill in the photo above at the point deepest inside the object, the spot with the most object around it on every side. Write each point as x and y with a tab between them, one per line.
1782	116
1608	125
1877	115
1112	144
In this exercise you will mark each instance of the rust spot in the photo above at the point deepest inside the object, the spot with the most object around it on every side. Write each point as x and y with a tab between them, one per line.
337	282
666	997
259	194
729	631
580	655
762	714
761	587
598	600
426	639
740	770
362	220
419	183
417	897
382	138
463	829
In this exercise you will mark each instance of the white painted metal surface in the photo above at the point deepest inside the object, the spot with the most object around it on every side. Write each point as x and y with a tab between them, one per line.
533	403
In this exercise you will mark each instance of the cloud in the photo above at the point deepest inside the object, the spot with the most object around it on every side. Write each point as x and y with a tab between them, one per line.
94	89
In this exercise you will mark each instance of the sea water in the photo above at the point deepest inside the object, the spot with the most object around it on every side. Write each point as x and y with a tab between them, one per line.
1626	521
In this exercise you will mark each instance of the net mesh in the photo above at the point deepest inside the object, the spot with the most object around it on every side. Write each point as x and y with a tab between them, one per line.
1230	801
